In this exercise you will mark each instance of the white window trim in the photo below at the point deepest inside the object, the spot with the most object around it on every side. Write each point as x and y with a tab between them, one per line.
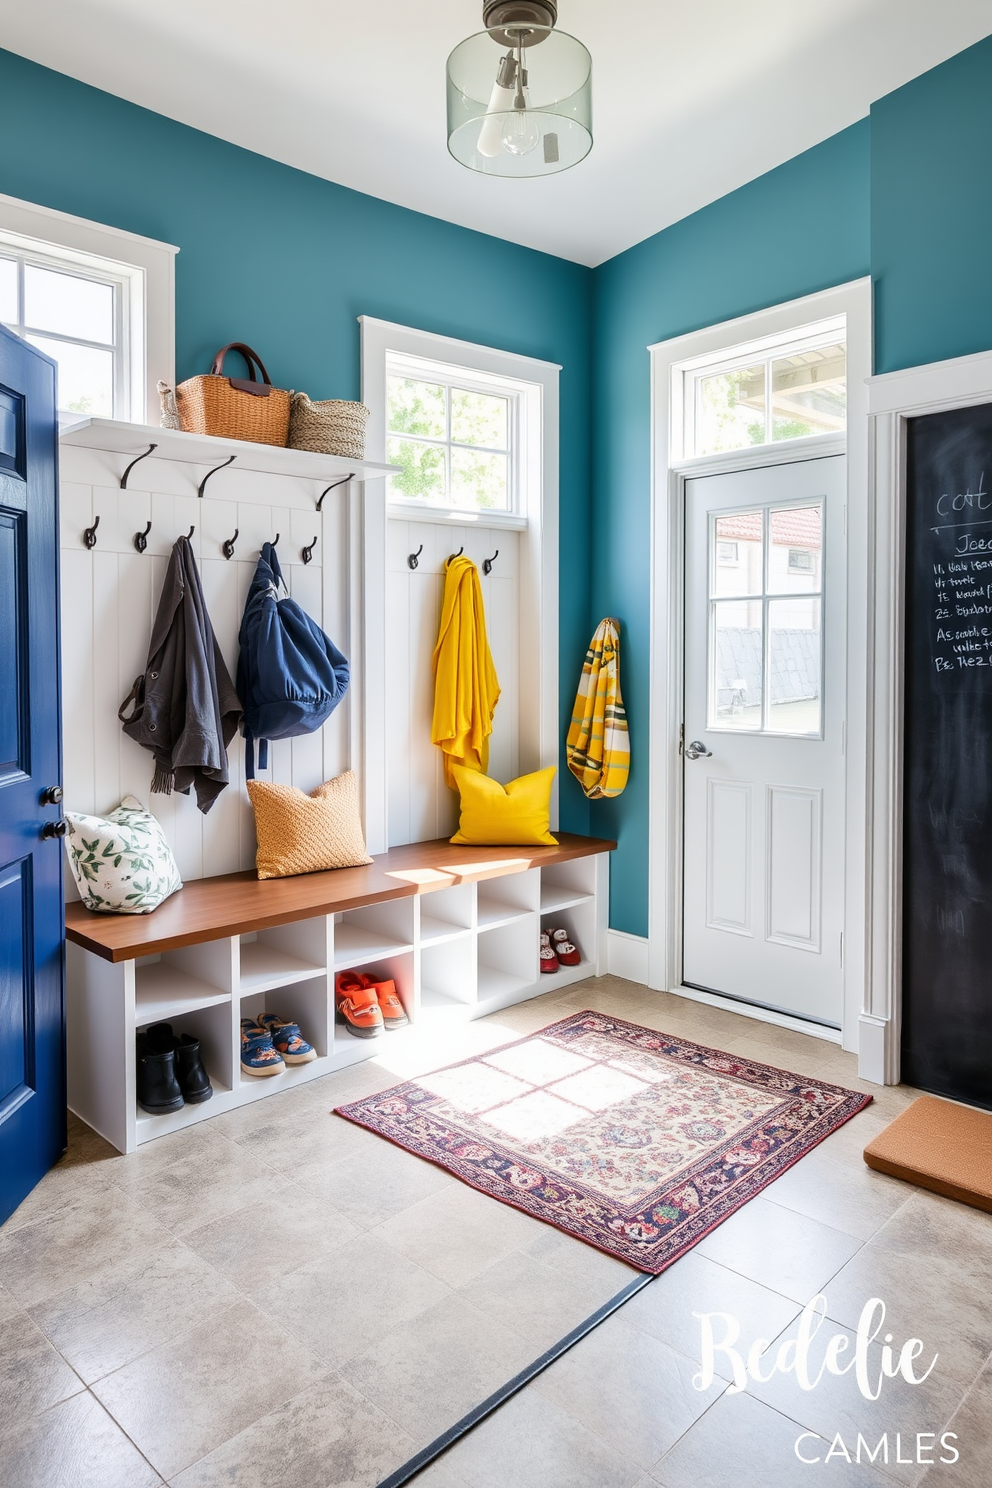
537	521
669	473
146	265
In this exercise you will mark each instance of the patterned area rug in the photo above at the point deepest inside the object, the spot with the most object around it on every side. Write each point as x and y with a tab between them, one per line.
635	1141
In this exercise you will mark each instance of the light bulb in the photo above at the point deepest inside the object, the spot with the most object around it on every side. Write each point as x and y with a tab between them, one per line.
521	132
500	103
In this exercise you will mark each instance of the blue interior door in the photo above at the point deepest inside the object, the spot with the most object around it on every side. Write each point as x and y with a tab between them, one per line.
32	1024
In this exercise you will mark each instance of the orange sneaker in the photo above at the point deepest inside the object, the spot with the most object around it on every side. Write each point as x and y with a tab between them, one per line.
393	1011
356	1005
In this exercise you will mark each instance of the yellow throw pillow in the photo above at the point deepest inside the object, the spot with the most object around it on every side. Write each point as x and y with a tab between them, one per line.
517	815
300	833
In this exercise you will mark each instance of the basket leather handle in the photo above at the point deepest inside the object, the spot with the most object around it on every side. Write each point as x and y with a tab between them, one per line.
252	360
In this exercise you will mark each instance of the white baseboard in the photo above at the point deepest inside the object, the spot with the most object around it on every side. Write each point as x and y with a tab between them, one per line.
627	955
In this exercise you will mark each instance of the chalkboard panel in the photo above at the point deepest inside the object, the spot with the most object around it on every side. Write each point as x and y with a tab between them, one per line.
947	967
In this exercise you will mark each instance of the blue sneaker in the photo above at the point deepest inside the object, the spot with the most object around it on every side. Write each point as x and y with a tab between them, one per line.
287	1040
258	1057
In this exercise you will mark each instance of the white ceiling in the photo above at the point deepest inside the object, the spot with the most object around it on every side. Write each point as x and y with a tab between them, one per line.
692	97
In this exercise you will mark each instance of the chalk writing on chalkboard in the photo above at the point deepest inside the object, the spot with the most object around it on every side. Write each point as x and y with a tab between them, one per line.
962	584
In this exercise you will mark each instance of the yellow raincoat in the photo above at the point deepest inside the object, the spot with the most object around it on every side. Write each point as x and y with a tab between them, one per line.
466	688
598	746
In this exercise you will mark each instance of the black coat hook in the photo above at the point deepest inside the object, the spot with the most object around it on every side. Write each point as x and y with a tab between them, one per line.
487	563
276	539
413	560
222	466
307	553
228	546
141	538
89	534
134	462
458	554
189	535
342	482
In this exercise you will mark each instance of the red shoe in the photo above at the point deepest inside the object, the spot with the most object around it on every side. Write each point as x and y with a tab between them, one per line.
356	1005
549	958
567	953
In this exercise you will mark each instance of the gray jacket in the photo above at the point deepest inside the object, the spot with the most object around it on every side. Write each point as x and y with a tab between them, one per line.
186	710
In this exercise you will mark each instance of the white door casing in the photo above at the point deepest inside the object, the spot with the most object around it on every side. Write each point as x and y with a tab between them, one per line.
670	469
763	809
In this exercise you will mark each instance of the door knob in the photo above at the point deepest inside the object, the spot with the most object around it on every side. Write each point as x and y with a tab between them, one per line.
697	750
52	796
55	828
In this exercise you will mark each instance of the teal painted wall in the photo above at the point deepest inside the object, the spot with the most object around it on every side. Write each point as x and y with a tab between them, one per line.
286	262
796	230
931	214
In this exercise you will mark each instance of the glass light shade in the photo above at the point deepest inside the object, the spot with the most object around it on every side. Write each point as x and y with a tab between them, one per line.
487	129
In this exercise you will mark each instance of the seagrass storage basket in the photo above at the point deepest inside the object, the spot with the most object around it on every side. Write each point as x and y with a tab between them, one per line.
334	427
235	407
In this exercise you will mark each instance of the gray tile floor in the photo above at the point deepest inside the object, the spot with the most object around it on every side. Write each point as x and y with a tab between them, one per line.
279	1299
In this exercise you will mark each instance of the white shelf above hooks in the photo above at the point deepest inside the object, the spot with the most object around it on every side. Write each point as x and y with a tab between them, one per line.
132	440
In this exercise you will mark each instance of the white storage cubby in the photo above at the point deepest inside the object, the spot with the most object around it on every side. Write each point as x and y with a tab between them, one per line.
448	981
504	900
397	968
372	932
284	954
566	884
453	953
446	913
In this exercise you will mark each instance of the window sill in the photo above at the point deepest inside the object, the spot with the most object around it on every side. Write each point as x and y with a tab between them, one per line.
445	517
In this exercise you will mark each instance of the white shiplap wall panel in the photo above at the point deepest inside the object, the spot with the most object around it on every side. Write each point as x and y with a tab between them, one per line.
109	598
420	804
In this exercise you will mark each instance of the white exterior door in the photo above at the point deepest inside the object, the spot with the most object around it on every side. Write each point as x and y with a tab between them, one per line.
764	736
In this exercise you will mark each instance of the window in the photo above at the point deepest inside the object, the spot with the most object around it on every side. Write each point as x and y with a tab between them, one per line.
76	317
765	642
455	435
772	392
98	300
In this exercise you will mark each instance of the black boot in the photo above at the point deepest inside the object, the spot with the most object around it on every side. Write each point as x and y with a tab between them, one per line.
192	1077
194	1082
158	1088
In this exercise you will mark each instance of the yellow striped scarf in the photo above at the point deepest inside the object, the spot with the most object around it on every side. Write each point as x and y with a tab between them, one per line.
598	746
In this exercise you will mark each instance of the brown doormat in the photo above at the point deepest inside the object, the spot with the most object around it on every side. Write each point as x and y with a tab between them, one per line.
939	1145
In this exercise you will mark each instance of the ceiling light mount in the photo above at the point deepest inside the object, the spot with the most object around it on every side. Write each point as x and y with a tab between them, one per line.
511	21
520	93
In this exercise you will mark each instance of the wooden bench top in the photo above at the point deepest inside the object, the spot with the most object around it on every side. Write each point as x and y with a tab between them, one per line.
236	903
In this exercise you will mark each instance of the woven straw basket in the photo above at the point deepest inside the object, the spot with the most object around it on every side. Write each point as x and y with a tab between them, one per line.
235	407
334	427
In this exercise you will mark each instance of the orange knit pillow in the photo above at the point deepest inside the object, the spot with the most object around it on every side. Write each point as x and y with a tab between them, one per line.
300	833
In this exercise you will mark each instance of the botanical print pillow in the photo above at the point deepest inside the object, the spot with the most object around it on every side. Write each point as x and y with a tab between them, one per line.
122	863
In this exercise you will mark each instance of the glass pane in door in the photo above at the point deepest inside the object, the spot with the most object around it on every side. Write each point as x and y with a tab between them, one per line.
736	554
795	663
795	550
736	664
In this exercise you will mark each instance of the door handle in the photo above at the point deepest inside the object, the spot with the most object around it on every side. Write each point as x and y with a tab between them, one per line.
697	750
55	828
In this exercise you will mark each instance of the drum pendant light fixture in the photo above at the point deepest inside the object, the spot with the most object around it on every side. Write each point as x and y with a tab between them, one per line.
520	93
